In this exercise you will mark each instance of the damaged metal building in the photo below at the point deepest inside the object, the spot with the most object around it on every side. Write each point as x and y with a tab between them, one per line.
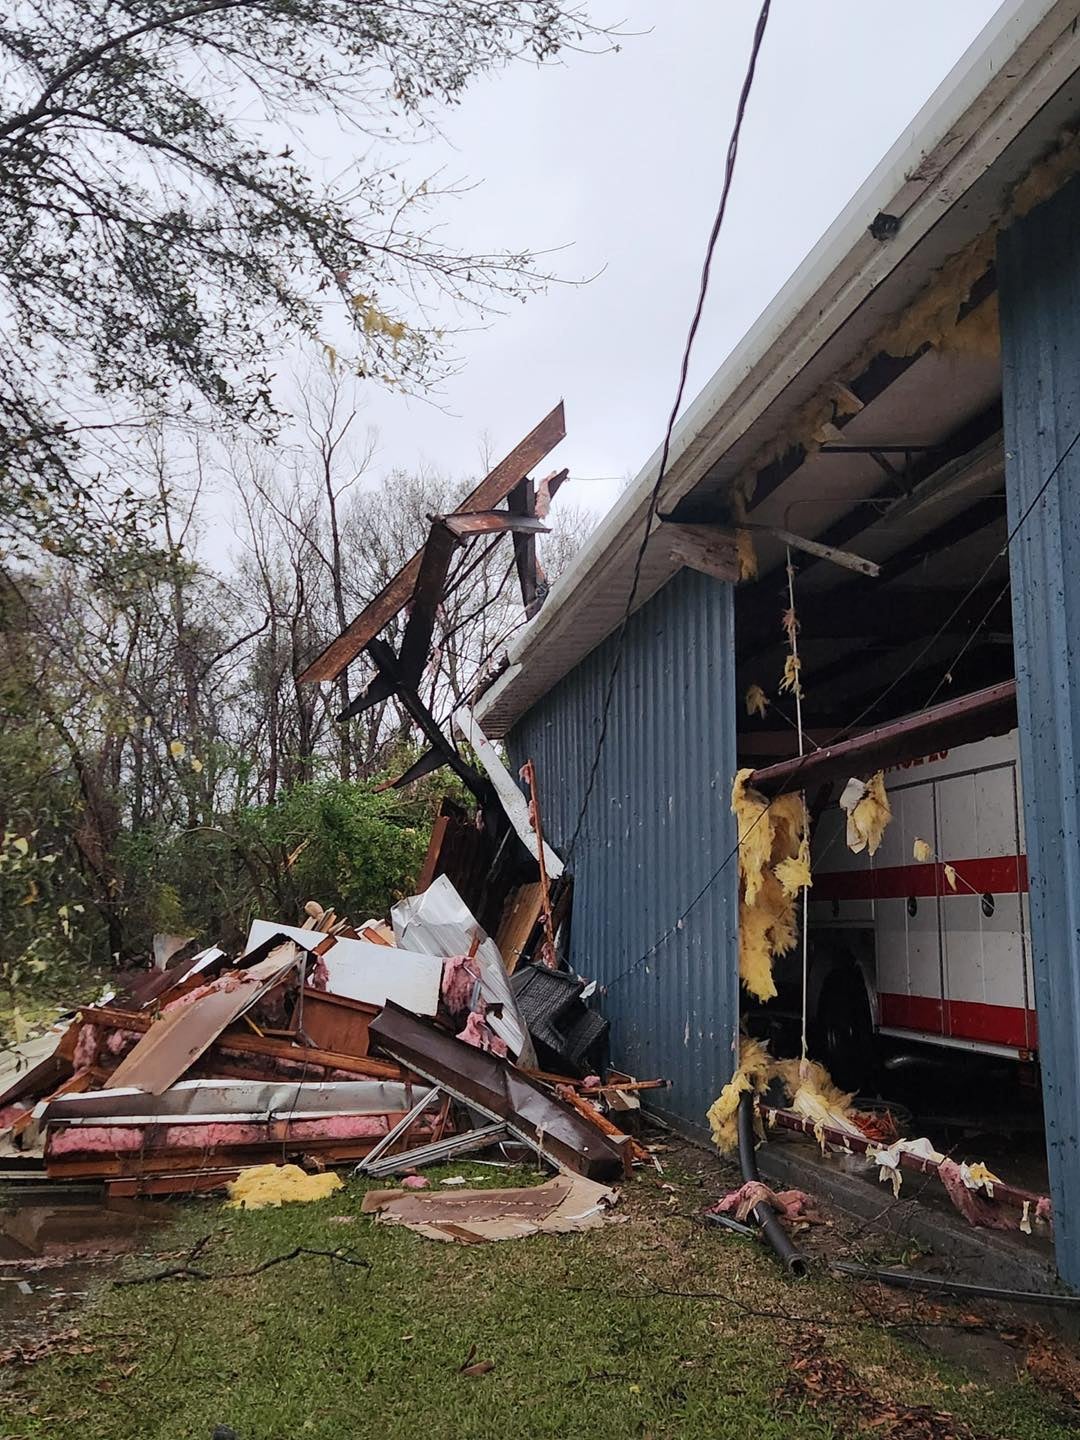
912	395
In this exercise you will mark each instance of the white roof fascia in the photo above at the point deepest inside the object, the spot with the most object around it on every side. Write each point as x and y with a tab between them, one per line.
1020	59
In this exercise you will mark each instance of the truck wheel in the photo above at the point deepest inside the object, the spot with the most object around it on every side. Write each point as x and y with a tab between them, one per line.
845	1032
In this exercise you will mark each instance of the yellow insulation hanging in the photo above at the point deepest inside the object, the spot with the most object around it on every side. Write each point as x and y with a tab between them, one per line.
745	555
790	680
774	863
794	874
807	1085
757	702
755	1069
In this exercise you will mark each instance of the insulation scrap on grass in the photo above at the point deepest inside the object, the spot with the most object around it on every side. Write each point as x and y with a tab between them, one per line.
868	810
792	1205
774	863
271	1185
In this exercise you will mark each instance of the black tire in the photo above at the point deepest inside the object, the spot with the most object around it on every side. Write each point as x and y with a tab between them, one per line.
844	1032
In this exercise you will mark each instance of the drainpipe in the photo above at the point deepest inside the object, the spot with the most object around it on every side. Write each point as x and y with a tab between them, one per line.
763	1213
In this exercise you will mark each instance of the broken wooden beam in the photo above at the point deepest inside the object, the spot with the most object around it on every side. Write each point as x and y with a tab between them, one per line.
708	548
956	722
846	559
390	669
438	552
395	595
494	522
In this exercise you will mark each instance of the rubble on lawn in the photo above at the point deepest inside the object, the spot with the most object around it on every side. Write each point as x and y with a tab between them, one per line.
384	1046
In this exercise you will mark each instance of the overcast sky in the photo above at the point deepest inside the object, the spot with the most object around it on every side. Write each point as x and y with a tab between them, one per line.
619	157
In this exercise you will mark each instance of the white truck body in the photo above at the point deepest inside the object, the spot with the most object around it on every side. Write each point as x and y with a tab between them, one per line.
944	966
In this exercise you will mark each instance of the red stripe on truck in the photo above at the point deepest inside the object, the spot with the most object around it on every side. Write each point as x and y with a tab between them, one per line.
965	1020
998	875
911	1012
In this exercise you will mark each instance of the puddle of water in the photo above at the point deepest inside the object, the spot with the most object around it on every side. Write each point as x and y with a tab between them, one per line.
30	1231
51	1253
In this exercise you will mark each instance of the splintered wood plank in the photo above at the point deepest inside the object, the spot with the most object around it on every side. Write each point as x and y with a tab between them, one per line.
520	915
708	548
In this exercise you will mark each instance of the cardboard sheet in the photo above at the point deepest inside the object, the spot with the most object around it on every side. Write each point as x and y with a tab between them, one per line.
562	1205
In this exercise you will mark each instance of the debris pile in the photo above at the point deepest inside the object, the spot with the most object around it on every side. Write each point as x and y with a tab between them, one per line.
388	1045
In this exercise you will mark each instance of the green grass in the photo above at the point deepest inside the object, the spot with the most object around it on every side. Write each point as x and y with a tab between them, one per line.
582	1343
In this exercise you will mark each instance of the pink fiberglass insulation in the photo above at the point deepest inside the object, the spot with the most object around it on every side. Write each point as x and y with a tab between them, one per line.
415	1182
224	984
791	1205
93	1139
592	1082
477	1033
319	979
119	1042
216	1135
86	1047
459	976
975	1207
1044	1210
9	1114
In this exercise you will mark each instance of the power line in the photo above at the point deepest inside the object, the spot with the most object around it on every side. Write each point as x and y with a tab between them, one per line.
852	724
714	234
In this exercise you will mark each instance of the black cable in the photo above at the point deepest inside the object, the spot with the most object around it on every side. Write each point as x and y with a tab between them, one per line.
955	611
729	175
966	646
852	724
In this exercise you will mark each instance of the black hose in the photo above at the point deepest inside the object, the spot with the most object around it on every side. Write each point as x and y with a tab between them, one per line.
763	1213
905	1280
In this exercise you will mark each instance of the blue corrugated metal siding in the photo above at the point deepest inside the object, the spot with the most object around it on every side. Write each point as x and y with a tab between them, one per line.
1039	278
658	825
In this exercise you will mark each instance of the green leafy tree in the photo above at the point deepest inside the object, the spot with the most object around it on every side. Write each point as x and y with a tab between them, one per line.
165	233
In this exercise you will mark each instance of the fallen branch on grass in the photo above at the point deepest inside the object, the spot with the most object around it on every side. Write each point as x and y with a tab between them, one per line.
967	1322
188	1272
